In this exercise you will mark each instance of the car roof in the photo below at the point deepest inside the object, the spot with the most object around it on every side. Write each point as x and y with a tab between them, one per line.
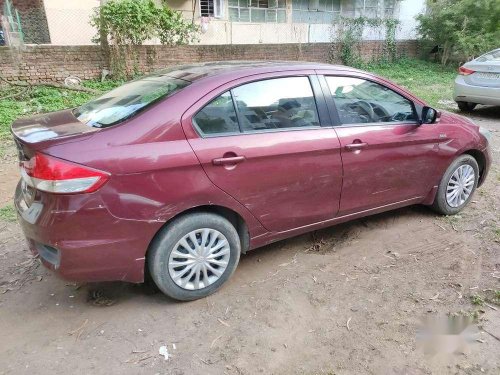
195	72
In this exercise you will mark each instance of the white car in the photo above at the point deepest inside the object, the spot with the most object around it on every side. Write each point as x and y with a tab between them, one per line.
478	82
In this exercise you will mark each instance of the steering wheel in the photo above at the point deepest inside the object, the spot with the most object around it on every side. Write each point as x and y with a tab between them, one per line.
366	107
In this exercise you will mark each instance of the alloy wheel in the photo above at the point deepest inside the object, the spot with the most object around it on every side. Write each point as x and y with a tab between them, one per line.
460	185
199	259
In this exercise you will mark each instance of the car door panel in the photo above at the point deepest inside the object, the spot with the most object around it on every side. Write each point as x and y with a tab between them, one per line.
397	164
286	178
383	162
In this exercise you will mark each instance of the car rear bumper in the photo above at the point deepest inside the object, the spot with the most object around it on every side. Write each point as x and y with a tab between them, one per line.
80	240
464	92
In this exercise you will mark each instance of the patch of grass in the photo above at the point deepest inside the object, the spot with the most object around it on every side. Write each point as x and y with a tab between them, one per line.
8	213
488	296
427	80
43	99
477	300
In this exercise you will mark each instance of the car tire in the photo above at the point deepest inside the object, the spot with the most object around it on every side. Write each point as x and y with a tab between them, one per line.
466	106
169	256
445	202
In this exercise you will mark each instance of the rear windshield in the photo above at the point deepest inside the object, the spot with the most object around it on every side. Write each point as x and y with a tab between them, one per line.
490	56
125	101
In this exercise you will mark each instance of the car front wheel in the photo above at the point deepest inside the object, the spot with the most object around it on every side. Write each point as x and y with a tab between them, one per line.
457	186
194	255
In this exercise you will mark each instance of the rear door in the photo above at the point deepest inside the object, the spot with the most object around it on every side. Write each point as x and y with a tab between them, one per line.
261	140
387	157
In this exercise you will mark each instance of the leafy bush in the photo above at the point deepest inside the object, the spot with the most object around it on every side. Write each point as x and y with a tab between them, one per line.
135	21
461	28
123	24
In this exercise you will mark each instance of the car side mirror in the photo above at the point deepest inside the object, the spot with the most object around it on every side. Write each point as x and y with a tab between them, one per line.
429	116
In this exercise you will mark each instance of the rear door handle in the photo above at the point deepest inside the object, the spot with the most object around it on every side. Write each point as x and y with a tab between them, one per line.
229	160
356	146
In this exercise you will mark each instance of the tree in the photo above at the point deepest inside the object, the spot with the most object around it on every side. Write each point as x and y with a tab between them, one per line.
461	29
125	24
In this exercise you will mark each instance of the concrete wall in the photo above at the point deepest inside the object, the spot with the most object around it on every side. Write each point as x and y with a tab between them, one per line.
68	21
54	63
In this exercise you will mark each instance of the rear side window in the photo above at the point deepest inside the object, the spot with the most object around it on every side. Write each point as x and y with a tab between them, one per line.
490	56
362	101
218	117
127	100
281	103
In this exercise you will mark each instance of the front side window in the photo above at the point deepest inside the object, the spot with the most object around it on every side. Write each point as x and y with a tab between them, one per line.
127	100
362	101
218	117
281	103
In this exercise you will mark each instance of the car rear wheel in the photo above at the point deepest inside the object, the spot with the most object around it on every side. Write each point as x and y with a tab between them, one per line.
466	106
194	255
457	186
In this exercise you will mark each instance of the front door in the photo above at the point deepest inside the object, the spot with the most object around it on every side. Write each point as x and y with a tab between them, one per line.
263	143
387	157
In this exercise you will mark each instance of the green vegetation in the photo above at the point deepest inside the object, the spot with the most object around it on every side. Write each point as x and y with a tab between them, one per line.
429	81
123	24
488	296
133	22
347	44
477	300
461	28
8	213
40	100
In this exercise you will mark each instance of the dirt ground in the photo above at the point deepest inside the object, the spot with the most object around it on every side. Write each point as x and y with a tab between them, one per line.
345	300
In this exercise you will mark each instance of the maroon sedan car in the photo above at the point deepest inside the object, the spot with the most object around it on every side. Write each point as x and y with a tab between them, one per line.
180	172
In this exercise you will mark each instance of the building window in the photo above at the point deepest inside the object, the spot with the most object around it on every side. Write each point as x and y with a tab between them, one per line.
389	8
212	8
315	11
257	11
375	8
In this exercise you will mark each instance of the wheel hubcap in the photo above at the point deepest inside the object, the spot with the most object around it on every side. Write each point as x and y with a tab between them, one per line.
199	259
460	185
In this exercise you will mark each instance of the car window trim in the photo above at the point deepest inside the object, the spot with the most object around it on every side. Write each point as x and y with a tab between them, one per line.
325	119
333	107
257	79
208	135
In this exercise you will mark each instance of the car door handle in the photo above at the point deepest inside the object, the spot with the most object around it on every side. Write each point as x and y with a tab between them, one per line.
229	160
356	146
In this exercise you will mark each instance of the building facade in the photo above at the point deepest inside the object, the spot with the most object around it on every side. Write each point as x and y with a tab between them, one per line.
233	21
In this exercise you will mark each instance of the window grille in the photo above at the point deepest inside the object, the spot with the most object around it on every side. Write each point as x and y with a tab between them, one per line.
316	11
212	8
273	11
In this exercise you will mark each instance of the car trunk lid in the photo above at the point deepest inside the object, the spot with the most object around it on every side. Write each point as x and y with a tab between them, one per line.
486	74
41	131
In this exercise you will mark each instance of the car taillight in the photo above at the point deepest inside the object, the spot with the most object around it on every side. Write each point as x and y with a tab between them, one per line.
465	71
54	175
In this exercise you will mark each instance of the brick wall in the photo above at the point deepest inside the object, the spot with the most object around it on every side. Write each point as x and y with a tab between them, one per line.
54	63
